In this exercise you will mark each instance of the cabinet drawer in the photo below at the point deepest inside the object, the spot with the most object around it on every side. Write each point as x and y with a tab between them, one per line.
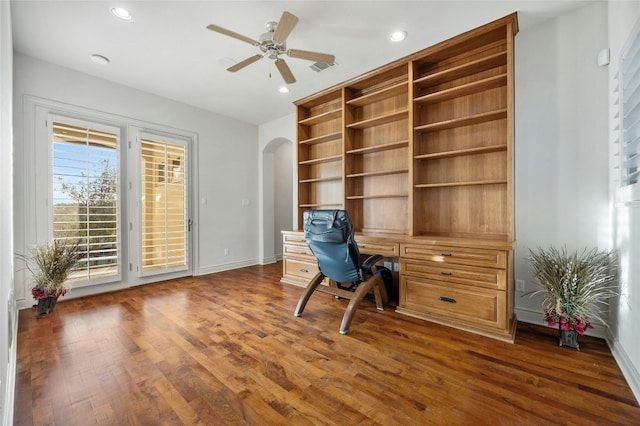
297	239
469	275
384	248
455	255
300	268
298	251
478	306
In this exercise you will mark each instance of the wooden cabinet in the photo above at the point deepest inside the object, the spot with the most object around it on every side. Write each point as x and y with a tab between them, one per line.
299	264
464	287
420	154
461	283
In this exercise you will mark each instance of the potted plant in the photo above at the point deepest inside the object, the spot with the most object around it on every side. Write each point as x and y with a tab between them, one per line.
575	288
50	264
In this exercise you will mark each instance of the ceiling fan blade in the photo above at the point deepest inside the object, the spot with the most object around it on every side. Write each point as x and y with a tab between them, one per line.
286	73
311	56
232	34
284	28
242	64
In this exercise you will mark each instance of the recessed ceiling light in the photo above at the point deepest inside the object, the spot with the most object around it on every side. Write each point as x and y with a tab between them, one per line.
397	36
121	13
99	59
283	89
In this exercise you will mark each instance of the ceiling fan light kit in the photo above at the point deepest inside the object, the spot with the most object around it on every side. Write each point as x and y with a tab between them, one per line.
273	44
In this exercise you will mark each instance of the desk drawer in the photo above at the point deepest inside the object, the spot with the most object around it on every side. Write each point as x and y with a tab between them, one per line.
300	251
297	239
455	255
372	246
299	268
491	278
478	306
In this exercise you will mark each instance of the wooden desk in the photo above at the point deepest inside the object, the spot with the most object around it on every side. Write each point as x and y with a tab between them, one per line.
461	283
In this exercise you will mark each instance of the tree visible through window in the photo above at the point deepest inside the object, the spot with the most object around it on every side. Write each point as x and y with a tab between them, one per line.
85	196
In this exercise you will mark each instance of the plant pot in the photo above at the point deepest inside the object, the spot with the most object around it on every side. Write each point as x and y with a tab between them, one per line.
46	305
569	338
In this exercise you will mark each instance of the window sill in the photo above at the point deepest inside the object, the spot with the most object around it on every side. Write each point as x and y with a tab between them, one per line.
628	195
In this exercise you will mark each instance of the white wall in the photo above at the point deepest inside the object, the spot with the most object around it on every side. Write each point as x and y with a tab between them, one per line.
271	137
226	159
561	167
625	333
8	316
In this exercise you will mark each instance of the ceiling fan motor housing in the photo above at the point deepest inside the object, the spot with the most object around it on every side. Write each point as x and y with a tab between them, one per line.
268	46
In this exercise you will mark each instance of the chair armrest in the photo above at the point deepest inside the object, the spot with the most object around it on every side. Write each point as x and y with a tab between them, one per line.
368	264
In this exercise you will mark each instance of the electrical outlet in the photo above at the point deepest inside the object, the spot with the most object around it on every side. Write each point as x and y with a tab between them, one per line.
519	285
226	252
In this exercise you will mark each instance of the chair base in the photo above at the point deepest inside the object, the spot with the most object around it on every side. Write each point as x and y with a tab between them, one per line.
374	283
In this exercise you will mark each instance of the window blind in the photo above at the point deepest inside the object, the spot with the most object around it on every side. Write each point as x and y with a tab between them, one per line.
164	217
85	196
630	148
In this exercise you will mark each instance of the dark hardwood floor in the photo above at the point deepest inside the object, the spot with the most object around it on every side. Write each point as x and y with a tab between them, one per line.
226	349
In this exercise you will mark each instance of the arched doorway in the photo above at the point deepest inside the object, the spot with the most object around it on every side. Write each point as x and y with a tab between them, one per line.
277	196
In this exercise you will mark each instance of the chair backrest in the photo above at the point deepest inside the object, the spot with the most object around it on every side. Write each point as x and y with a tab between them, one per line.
329	234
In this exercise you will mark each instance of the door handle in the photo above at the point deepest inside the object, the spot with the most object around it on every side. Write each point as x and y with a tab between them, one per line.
189	223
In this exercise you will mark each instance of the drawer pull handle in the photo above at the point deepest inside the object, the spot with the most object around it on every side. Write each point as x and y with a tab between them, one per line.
447	299
304	270
446	254
445	273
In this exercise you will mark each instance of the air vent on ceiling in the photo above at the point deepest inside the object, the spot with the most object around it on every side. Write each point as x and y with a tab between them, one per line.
321	66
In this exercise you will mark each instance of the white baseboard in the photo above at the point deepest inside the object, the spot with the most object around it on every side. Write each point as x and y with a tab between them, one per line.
9	398
226	267
268	260
629	371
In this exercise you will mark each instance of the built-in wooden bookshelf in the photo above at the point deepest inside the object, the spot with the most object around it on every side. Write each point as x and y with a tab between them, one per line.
377	133
420	153
320	153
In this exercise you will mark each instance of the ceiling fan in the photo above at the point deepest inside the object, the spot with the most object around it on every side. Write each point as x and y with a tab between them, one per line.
273	44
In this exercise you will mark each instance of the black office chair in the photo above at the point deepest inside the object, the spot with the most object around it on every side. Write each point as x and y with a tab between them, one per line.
329	234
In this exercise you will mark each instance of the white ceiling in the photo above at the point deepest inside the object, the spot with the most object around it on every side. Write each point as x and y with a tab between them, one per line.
167	50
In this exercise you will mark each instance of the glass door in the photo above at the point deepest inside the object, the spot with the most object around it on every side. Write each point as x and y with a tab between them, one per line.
164	219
